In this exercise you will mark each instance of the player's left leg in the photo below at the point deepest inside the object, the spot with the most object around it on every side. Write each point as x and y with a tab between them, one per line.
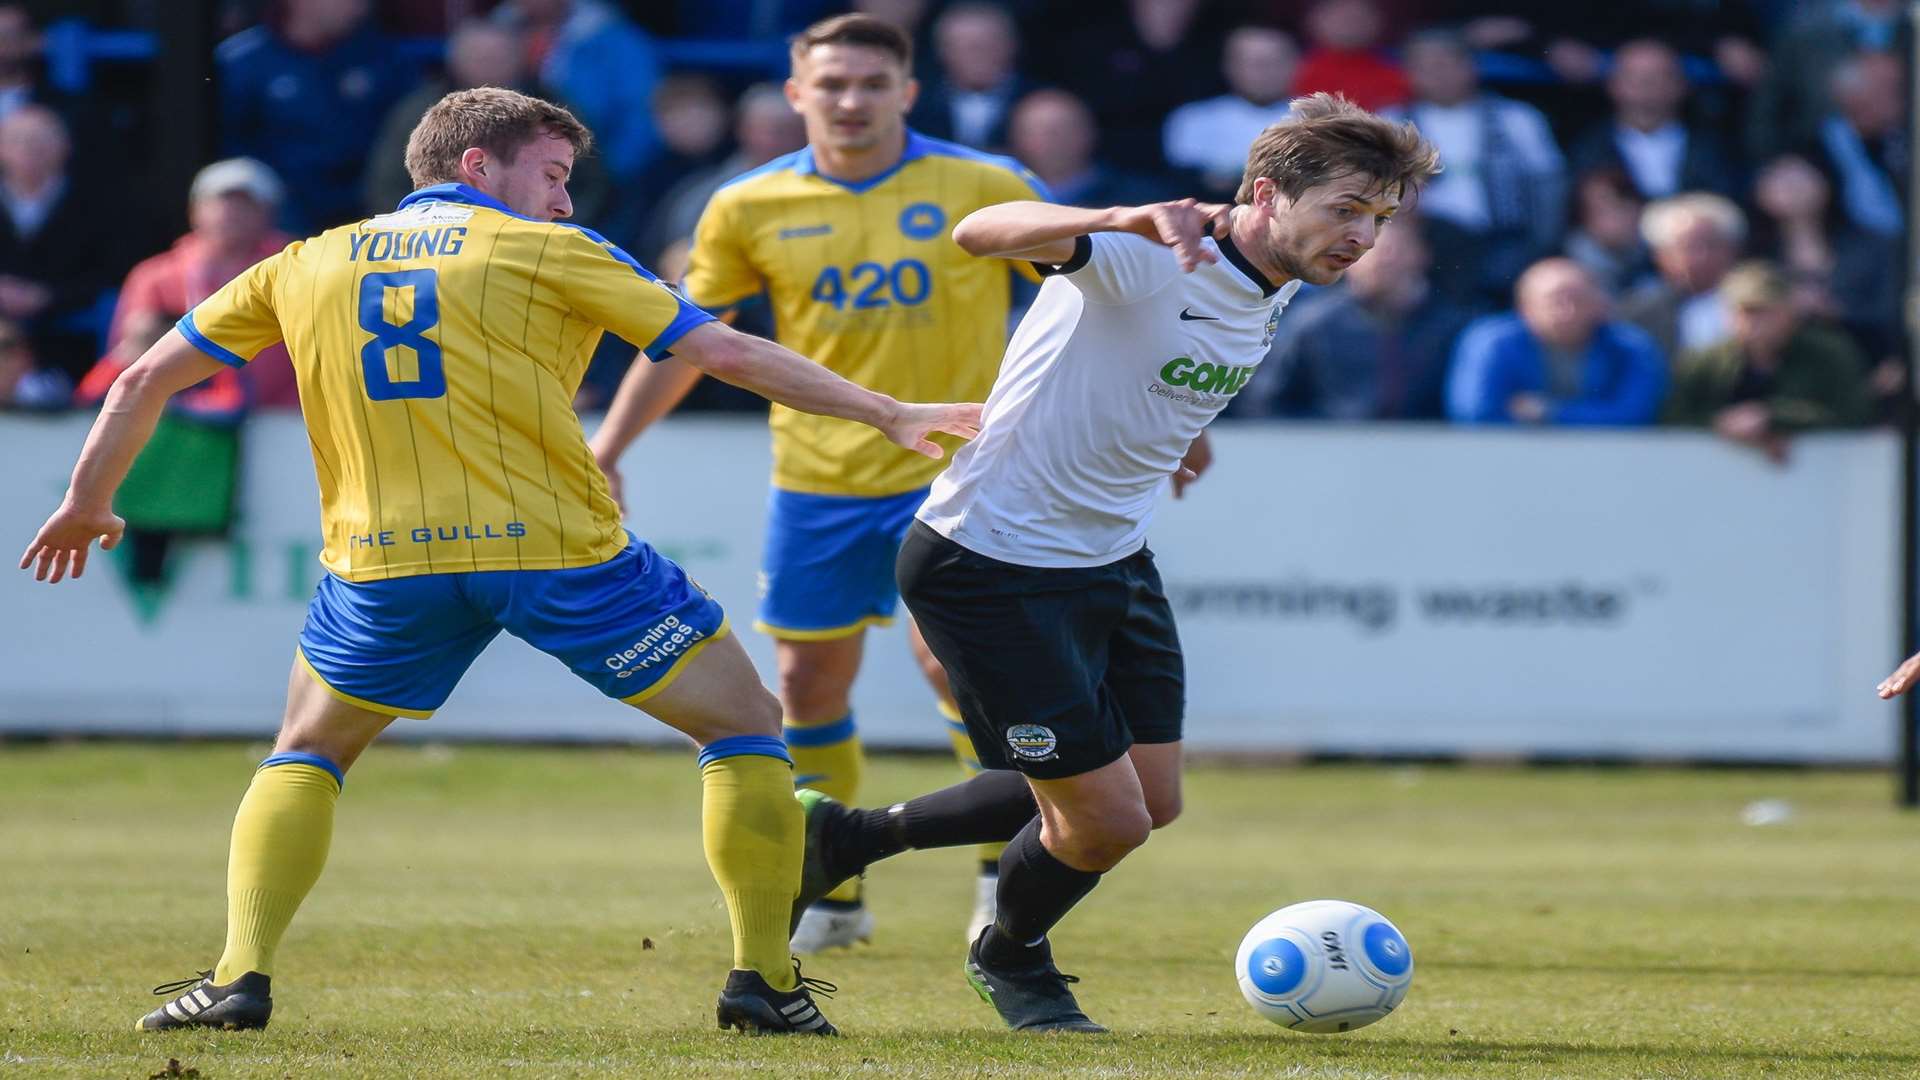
987	880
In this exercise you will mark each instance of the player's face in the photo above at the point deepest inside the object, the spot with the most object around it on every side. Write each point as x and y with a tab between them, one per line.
534	184
853	98
1316	237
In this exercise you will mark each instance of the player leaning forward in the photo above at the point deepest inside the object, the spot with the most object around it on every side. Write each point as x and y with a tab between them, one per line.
437	350
1027	568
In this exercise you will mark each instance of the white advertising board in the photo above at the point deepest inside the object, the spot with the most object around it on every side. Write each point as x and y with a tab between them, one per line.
1366	590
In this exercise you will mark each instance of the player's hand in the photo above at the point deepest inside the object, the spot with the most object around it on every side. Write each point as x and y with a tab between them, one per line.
910	424
1199	458
616	484
63	542
1901	680
1180	226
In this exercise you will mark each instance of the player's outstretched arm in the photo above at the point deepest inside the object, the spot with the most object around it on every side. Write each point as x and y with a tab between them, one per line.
126	422
779	374
1902	678
1044	232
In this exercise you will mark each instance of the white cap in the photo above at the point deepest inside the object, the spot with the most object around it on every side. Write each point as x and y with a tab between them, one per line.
241	174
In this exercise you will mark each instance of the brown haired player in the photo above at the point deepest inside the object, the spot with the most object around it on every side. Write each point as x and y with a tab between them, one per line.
1027	569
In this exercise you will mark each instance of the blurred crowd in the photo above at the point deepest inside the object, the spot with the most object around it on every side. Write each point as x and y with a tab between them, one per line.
1653	211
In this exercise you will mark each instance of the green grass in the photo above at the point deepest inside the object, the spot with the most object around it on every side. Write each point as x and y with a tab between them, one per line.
488	912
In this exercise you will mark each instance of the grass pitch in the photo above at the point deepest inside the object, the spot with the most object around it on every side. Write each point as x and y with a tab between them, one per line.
502	912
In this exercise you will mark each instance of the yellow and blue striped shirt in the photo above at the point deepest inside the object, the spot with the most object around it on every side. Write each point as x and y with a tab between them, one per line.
866	279
437	350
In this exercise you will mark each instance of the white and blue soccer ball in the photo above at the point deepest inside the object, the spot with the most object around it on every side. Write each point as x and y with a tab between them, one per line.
1324	966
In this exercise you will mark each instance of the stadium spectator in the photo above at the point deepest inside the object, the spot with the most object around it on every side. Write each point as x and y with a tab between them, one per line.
693	120
1606	231
971	97
1862	144
911	16
765	127
59	251
1133	72
302	93
1054	135
590	55
1795	97
1561	359
1837	271
1648	134
1695	239
232	207
1344	57
1777	376
1373	348
98	129
479	53
1500	204
1209	138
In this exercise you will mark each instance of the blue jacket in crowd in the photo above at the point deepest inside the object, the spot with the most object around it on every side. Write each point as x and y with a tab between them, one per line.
309	115
605	67
1623	377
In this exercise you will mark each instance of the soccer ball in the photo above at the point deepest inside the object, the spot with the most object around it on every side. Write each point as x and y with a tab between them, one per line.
1324	966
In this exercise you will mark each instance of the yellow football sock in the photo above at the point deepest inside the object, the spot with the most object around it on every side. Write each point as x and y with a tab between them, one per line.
754	832
829	759
969	763
280	839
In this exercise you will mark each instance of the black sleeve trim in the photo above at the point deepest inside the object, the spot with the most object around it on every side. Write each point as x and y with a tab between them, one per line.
1082	252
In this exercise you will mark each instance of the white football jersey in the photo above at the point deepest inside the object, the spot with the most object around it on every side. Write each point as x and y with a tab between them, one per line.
1122	360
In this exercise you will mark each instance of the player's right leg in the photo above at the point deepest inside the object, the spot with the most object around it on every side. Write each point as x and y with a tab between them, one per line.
369	652
281	836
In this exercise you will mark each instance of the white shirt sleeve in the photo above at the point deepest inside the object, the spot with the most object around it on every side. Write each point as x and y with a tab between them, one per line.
1116	268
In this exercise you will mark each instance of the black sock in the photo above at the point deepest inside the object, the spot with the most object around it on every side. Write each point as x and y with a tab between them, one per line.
989	808
1036	891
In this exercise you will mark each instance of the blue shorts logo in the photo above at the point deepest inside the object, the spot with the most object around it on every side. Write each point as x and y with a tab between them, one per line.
923	221
1031	742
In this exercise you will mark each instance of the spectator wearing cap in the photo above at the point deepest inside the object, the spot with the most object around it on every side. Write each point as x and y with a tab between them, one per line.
479	53
1776	377
970	98
231	208
1500	203
59	252
1648	134
1695	239
588	54
1560	359
1210	138
302	93
1374	347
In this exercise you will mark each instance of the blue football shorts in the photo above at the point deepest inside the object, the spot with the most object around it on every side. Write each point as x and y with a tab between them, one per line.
827	570
628	626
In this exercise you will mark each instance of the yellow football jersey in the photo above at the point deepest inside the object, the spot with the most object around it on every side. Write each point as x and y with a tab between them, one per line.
866	279
437	350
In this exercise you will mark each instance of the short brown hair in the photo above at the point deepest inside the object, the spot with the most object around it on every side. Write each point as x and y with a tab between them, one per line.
855	29
498	121
1326	137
